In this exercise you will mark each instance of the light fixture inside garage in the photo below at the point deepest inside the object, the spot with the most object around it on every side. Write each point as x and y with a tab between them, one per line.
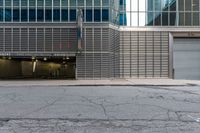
45	59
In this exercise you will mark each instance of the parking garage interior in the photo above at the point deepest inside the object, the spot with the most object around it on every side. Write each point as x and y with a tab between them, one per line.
37	67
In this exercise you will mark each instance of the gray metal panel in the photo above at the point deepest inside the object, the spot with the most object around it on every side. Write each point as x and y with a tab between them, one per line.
1	39
144	54
187	58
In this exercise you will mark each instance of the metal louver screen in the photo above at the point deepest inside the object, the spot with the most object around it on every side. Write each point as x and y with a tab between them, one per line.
144	54
38	40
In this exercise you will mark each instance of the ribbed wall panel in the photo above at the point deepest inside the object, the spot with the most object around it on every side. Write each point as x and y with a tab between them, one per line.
8	39
56	39
40	39
32	40
94	61
24	39
1	39
144	54
48	40
16	39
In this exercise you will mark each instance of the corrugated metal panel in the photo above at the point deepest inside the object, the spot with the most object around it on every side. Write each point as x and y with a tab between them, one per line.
32	39
40	39
48	39
144	54
56	39
1	39
24	39
8	39
16	39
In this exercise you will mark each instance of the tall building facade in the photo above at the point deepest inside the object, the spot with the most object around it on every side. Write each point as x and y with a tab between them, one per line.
99	39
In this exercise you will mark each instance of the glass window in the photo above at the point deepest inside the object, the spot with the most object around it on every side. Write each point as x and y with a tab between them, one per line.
16	15
150	19
89	15
172	18
150	5
24	15
48	3
32	3
1	2
97	3
64	15
48	15
8	2
188	19
142	5
8	15
32	15
72	15
105	15
97	15
181	5
56	14
196	19
15	2
40	15
105	2
165	18
188	5
24	2
64	2
142	19
72	2
181	19
134	18
40	3
88	2
195	5
56	3
80	2
1	14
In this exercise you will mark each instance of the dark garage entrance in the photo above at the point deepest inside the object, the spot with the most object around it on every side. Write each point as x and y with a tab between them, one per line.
187	58
37	68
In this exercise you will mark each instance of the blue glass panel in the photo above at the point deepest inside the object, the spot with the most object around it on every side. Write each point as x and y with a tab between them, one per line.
24	15
48	15
1	14
89	15
56	14
40	15
15	14
97	15
32	15
7	15
72	15
1	2
64	15
105	15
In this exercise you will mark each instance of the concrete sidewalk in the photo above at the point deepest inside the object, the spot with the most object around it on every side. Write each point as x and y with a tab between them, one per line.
116	82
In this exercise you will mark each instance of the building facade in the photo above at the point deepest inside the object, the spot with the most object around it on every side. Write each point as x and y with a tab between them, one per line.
99	39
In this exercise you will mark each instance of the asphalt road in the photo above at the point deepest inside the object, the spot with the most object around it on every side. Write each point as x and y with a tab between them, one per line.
100	109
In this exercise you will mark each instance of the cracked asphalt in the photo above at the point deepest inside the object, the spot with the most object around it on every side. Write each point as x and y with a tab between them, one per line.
100	109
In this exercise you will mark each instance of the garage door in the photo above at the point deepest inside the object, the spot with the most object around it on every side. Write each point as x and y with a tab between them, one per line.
187	58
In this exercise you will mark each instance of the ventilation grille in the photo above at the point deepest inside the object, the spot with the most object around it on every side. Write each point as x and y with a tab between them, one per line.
38	39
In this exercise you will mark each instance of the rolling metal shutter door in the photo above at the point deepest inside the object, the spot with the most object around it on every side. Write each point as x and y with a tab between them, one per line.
187	58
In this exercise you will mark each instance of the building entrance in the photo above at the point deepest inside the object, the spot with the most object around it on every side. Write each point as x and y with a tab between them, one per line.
37	68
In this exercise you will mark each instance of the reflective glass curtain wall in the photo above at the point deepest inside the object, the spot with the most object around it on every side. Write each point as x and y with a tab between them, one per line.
159	13
54	10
